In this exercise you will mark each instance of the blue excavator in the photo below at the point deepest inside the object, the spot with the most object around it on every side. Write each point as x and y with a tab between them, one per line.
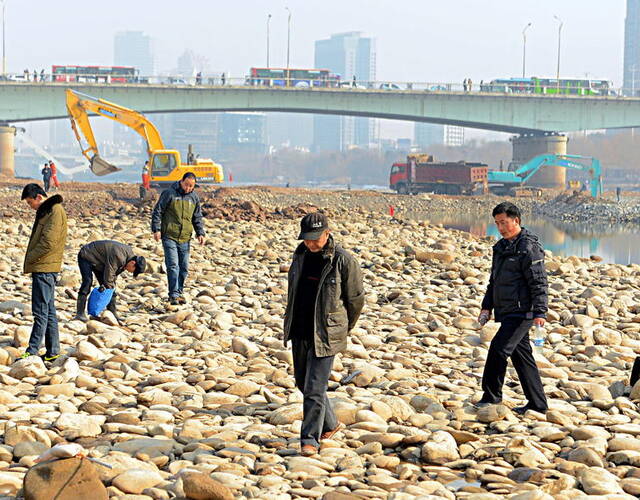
506	181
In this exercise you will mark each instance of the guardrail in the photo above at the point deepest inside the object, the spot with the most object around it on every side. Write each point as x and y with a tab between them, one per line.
331	83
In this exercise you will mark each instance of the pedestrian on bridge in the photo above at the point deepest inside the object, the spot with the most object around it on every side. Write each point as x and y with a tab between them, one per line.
353	82
42	75
223	78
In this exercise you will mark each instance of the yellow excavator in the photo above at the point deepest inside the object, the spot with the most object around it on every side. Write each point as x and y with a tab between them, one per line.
165	166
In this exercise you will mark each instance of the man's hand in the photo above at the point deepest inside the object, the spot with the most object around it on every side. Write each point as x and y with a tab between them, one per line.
484	316
201	240
157	236
539	322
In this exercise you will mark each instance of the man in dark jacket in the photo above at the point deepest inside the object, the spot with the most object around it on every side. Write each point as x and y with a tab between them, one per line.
325	298
176	215
43	261
107	259
46	177
517	293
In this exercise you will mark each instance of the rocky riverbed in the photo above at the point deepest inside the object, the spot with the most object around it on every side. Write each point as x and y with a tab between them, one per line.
175	397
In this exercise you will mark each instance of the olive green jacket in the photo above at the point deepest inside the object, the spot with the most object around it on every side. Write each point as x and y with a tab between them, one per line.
48	237
177	214
339	301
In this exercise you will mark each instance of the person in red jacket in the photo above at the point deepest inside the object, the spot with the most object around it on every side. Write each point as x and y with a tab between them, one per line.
54	175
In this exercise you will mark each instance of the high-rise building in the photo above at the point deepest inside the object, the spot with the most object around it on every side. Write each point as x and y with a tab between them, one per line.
242	133
349	55
631	75
134	48
429	134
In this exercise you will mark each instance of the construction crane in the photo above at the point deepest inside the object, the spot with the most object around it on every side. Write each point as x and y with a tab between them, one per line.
165	165
520	176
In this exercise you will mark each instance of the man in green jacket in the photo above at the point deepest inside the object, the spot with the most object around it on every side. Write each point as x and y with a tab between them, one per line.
175	217
325	298
43	261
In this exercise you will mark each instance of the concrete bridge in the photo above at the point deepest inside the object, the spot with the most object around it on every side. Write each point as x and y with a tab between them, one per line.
532	116
502	112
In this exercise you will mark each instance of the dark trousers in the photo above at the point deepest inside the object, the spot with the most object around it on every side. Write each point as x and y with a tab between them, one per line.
47	183
312	377
87	271
512	341
45	320
176	260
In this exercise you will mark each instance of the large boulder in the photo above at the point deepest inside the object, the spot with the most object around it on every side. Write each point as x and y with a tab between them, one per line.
68	479
199	486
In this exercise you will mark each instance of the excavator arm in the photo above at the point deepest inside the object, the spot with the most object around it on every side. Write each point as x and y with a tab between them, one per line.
80	105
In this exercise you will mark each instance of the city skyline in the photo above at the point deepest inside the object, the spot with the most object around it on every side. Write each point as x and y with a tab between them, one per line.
420	48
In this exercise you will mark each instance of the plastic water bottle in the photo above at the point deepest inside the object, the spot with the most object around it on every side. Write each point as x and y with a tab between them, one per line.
538	342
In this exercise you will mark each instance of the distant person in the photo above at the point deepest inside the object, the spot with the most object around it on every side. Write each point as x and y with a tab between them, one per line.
42	75
35	75
469	85
175	217
46	177
353	82
518	295
26	75
199	78
106	259
54	175
618	193
223	79
43	260
464	84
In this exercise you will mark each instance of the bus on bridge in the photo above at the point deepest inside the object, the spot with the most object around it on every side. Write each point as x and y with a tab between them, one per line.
535	85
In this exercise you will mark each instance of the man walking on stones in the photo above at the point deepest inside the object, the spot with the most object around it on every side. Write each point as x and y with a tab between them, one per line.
107	259
517	293
175	217
325	298
46	177
43	260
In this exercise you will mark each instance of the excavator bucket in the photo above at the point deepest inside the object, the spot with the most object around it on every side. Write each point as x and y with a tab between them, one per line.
102	167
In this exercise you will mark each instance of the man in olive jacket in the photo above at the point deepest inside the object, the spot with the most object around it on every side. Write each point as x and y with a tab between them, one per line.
325	298
107	259
176	215
43	261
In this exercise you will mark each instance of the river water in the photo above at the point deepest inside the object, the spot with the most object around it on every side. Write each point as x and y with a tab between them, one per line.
615	243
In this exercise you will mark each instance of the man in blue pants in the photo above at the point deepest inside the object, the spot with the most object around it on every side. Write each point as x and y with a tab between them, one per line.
43	260
175	217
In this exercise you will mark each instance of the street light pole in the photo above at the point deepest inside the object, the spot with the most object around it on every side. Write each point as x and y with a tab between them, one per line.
524	48
268	19
559	39
288	44
4	56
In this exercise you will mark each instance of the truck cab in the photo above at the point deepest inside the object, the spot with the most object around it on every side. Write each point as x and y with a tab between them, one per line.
398	178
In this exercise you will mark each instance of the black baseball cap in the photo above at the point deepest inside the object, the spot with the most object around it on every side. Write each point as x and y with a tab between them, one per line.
141	265
312	226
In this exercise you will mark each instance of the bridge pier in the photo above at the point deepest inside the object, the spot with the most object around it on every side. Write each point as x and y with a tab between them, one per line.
526	147
7	158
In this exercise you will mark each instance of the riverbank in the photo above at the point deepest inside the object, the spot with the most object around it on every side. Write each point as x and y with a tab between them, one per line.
209	386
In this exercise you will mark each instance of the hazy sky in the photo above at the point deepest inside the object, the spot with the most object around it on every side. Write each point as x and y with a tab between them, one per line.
417	40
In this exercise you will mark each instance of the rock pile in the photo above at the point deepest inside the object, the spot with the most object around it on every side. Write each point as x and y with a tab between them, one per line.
200	402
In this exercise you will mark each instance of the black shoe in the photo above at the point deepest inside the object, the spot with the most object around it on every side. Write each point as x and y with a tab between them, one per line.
174	301
521	410
181	300
81	317
484	404
635	372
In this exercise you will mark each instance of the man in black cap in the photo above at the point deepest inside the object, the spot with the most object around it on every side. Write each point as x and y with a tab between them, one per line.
325	298
107	259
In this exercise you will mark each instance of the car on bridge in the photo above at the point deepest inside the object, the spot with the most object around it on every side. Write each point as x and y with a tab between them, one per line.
390	86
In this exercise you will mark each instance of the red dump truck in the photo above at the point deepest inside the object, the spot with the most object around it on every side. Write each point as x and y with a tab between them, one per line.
422	173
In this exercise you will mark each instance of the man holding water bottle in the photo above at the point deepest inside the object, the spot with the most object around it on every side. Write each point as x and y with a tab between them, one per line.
517	293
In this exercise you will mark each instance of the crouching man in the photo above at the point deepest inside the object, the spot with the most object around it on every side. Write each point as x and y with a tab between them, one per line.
107	259
325	298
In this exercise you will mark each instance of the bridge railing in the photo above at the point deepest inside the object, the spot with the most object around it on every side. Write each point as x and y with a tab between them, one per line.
219	80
